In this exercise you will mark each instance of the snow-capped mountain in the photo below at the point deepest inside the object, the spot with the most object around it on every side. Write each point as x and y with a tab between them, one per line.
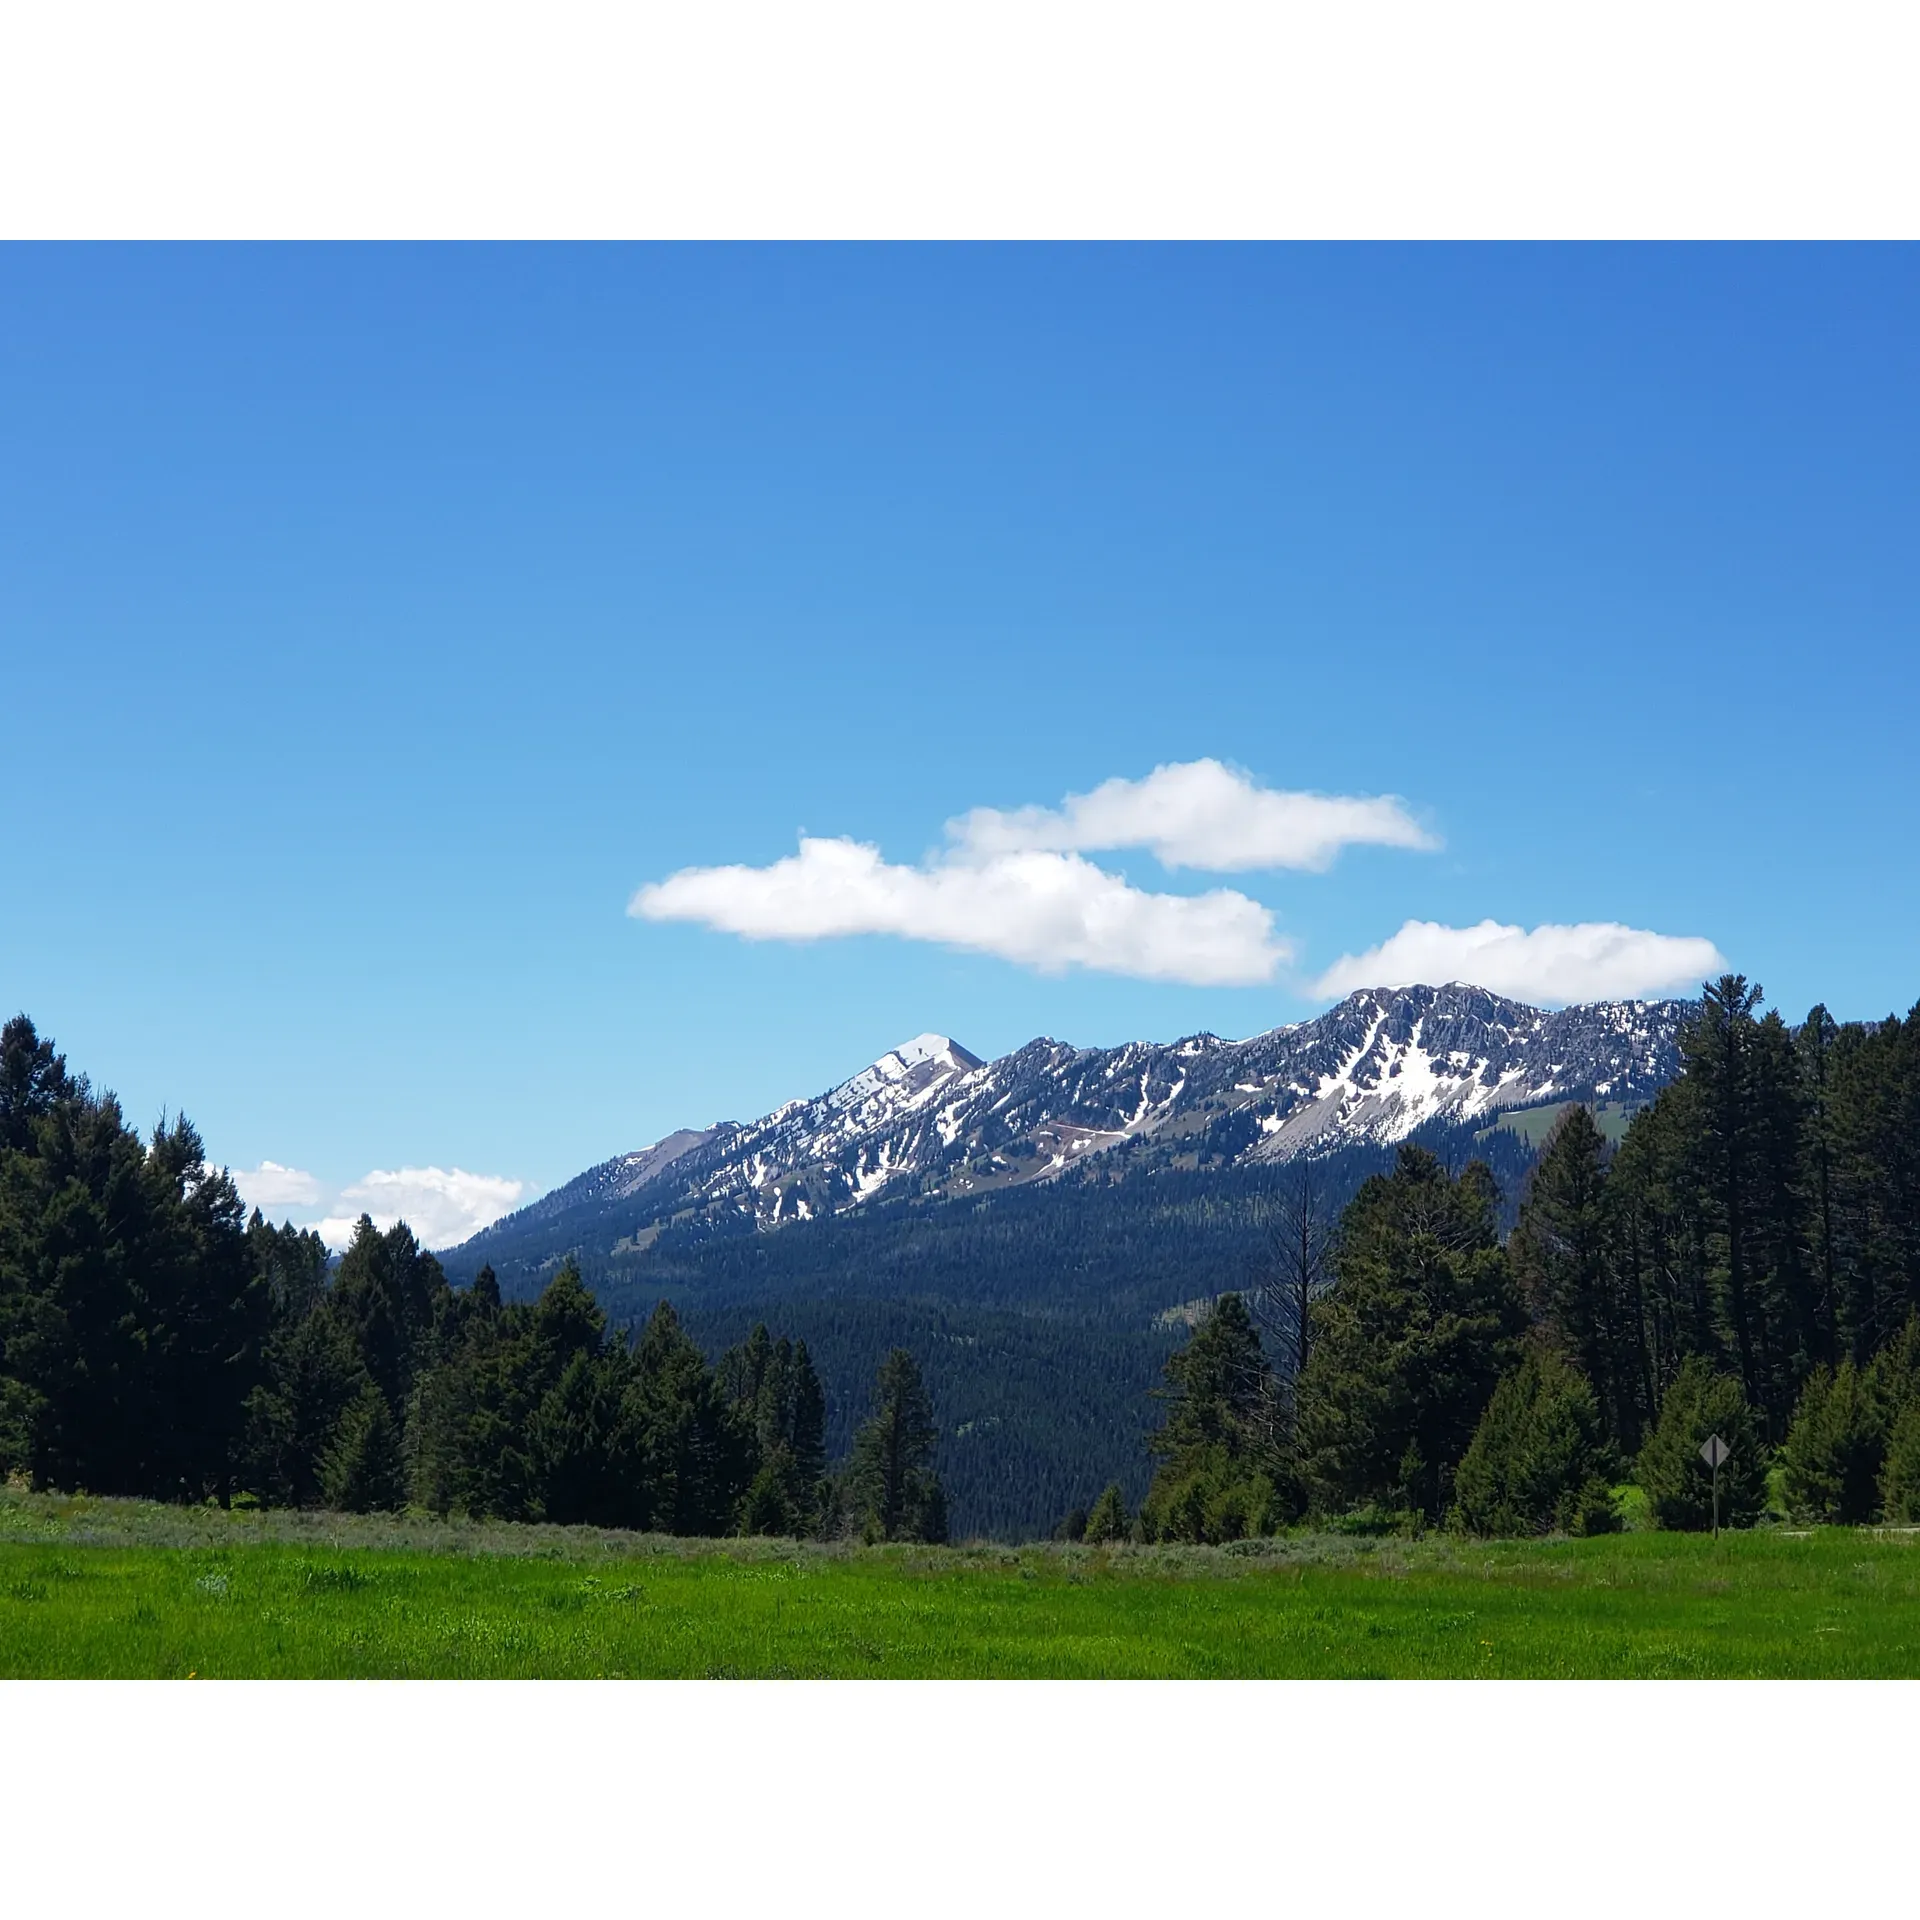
931	1119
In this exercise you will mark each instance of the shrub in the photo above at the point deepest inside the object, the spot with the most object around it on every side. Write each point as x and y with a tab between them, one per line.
1209	1498
1677	1482
1538	1461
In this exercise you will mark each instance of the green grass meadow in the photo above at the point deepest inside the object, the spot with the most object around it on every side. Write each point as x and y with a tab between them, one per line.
113	1588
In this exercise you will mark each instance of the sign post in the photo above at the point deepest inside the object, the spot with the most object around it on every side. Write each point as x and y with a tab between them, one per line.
1713	1452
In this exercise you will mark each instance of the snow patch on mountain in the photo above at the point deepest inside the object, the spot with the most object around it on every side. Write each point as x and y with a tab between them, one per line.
928	1118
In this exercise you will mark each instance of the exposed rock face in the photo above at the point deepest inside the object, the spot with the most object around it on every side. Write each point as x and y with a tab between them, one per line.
931	1118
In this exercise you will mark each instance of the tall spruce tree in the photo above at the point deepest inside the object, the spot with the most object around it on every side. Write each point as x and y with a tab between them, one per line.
1565	1262
893	1490
693	1449
1411	1342
1223	1472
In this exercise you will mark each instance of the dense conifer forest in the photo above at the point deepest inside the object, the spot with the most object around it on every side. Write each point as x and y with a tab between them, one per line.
1448	1334
1746	1264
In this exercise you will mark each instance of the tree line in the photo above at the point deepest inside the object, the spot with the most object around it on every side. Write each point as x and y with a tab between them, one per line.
155	1340
1746	1263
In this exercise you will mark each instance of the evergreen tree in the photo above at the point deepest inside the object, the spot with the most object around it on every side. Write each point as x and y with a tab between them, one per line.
132	1320
1900	1474
1108	1523
1563	1256
389	1290
313	1375
208	1313
292	1261
571	1440
806	1429
33	1081
1678	1483
693	1452
777	1393
768	1507
362	1470
893	1490
1222	1464
1815	1046
1834	1451
1410	1344
1539	1461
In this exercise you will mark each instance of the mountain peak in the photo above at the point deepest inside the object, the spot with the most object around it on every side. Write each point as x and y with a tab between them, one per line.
931	1120
935	1047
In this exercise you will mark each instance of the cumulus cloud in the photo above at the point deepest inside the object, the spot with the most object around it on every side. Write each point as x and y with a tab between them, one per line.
442	1205
1015	884
270	1185
1555	966
1045	909
1198	813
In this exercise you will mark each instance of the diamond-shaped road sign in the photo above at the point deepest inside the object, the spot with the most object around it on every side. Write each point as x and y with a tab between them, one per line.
1715	1450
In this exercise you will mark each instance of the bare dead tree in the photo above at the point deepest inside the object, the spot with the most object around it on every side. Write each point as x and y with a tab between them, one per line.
1293	1267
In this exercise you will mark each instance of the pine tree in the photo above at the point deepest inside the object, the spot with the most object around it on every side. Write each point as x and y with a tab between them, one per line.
293	1263
1717	1049
893	1490
1108	1522
389	1290
768	1507
1900	1475
570	1440
1678	1483
209	1313
362	1471
1539	1461
1814	1044
1563	1257
692	1451
1834	1451
1221	1449
33	1081
775	1387
1411	1342
484	1294
313	1375
806	1434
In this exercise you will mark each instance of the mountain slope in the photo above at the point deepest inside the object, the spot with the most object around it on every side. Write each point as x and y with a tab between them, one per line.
1033	1227
931	1120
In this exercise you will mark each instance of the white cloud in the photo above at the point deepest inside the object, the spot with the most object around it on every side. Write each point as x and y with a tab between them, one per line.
1044	909
1196	814
270	1185
443	1206
1014	883
1550	965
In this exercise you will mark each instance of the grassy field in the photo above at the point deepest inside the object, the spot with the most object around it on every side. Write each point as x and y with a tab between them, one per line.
98	1587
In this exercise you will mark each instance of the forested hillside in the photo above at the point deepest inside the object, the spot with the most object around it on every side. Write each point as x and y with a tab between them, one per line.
1042	1316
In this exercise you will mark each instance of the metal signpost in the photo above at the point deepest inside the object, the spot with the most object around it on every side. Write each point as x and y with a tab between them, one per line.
1713	1452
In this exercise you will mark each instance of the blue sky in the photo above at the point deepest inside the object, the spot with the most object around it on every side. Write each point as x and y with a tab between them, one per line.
377	623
